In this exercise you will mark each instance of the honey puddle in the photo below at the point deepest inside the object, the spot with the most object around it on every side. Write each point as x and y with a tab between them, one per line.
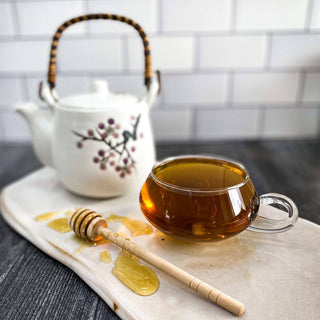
105	256
85	244
137	277
128	269
60	225
46	216
136	227
69	212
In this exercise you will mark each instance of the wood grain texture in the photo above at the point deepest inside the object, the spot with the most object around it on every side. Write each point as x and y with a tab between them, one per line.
34	286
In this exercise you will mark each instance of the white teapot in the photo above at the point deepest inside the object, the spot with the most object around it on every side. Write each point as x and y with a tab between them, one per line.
100	144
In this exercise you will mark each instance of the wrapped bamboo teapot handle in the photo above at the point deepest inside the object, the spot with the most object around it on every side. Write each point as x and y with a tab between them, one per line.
104	16
91	226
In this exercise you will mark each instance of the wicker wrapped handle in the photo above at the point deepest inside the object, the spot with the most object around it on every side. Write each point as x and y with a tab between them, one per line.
105	16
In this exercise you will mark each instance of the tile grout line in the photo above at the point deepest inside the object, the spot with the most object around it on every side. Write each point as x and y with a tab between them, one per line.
318	122
233	15
87	26
159	17
194	114
110	35
308	16
196	54
24	88
301	88
17	35
15	20
125	54
202	71
2	133
162	95
261	122
268	52
230	90
179	107
239	106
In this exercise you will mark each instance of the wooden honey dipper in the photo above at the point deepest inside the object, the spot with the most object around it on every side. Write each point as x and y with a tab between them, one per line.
91	226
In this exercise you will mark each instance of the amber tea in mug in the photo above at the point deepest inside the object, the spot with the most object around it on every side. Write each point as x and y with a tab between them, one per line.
205	199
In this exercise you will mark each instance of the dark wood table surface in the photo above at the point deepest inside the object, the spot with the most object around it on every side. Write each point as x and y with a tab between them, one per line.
35	286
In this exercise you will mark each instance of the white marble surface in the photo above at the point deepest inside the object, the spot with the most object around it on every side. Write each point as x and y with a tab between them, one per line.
276	276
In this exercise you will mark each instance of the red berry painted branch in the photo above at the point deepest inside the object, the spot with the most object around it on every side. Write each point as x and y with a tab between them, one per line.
118	145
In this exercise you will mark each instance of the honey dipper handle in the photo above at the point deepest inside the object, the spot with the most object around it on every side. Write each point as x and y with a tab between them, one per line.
187	279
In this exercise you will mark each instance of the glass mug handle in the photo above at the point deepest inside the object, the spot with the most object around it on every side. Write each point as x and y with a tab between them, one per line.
278	205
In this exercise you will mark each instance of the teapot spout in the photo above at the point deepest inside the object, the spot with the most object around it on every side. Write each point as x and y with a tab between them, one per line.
41	125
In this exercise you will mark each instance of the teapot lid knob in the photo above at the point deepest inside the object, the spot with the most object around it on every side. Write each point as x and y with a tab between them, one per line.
100	86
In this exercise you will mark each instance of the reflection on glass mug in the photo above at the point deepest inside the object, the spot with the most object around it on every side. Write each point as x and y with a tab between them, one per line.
204	199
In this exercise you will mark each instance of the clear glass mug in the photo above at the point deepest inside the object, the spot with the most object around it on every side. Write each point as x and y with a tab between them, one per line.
205	199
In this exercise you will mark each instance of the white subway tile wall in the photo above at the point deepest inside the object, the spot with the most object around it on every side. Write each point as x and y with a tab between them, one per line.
1	132
266	88
195	89
90	55
43	18
228	124
15	127
10	92
296	51
172	124
271	14
18	57
168	53
232	69
65	85
129	83
181	15
315	22
288	123
232	51
312	88
142	11
6	23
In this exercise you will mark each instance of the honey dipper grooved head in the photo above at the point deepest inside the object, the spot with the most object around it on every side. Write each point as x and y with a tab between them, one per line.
85	222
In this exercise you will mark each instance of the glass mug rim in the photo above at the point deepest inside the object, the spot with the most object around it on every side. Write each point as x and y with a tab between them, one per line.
188	190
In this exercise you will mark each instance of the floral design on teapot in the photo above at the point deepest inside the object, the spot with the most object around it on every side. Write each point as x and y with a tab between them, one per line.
118	153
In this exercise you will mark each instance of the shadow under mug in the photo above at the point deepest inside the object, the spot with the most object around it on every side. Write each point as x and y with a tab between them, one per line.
205	199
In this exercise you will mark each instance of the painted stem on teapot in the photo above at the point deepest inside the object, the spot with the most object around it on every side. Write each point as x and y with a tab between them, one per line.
118	154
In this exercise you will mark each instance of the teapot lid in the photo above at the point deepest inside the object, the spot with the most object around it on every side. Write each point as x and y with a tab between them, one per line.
99	98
